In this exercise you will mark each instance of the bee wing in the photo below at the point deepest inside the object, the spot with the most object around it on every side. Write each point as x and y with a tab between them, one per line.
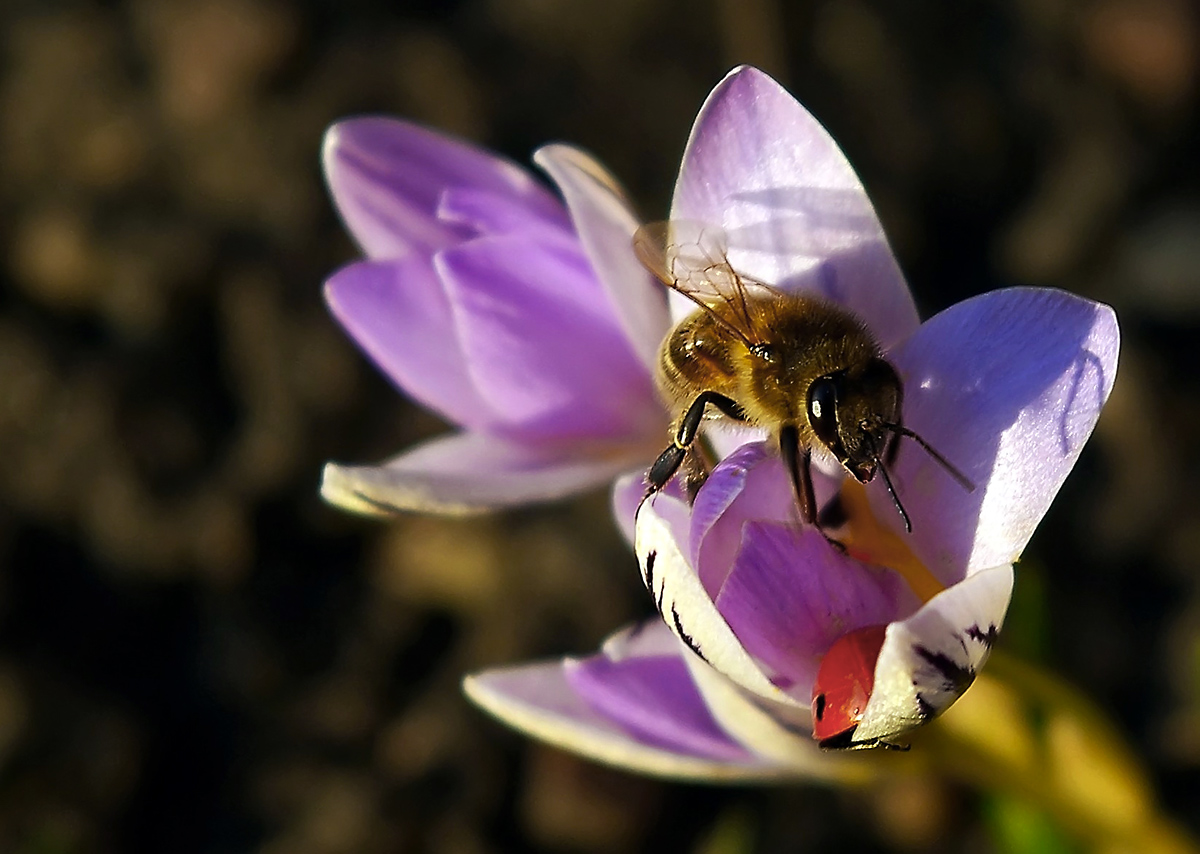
692	258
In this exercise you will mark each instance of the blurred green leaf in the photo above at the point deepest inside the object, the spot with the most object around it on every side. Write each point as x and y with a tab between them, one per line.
1017	827
731	833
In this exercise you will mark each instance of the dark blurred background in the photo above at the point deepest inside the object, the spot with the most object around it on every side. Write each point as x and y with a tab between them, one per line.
197	655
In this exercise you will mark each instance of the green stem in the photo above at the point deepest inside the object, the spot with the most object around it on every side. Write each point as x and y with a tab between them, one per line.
1021	731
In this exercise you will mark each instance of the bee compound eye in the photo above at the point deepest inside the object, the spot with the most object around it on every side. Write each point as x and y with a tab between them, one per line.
822	409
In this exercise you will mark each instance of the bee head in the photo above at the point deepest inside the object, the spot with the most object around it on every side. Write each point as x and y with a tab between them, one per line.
851	412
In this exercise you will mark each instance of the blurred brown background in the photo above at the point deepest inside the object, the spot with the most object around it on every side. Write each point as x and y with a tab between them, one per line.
197	655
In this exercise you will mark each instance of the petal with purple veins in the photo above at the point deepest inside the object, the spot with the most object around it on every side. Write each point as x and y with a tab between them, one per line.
655	700
490	212
795	213
1007	386
749	484
686	607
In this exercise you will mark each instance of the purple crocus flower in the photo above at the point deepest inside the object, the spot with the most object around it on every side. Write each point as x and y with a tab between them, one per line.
1007	385
525	323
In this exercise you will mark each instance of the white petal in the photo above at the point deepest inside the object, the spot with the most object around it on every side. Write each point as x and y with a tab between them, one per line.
682	600
465	473
929	660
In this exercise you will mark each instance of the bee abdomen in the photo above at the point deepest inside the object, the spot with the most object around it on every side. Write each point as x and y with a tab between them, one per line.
695	358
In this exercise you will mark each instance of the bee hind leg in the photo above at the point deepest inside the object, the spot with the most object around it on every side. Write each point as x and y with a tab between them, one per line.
664	468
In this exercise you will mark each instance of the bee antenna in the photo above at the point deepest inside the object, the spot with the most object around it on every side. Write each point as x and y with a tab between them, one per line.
887	479
963	481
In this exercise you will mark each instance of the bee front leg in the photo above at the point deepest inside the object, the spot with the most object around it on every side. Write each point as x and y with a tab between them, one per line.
668	461
799	466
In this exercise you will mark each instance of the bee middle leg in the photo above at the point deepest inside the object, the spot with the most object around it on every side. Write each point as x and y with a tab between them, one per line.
697	466
668	461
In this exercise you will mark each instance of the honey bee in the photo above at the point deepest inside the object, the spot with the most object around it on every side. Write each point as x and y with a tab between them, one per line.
800	367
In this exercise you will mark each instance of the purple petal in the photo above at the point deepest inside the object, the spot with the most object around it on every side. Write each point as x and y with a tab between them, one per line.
398	313
760	166
655	700
749	485
671	733
489	212
542	344
772	730
387	177
1007	386
606	224
790	595
537	699
687	608
472	472
756	483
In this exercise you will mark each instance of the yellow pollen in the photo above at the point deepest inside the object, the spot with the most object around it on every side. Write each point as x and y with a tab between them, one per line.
869	541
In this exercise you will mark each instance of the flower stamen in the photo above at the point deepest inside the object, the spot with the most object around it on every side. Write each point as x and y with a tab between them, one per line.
869	541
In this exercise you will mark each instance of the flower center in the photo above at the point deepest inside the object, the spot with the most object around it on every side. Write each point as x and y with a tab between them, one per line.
869	541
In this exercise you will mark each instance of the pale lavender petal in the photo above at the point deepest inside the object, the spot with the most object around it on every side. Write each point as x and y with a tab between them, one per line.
542	344
796	215
1008	387
387	177
398	313
537	699
628	492
656	701
606	223
790	595
929	659
648	639
473	472
727	437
